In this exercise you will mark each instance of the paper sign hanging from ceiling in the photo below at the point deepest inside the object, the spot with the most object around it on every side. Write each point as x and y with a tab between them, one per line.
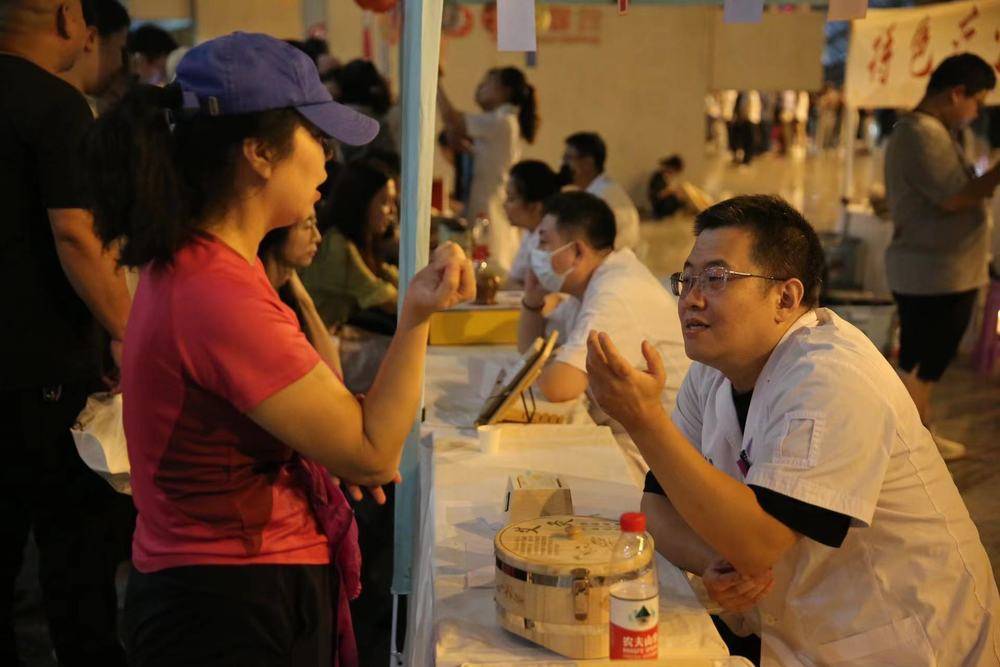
743	11
516	25
846	10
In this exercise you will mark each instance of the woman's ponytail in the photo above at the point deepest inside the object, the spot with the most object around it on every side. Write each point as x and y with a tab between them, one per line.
139	195
522	95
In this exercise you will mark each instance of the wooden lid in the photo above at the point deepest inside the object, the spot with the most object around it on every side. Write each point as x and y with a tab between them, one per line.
558	544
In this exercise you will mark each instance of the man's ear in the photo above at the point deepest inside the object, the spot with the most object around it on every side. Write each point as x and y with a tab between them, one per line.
790	297
92	40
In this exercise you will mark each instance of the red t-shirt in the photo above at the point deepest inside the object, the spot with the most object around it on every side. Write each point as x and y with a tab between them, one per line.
208	340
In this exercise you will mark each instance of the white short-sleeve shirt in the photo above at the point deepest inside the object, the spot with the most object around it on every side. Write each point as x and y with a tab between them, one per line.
522	260
830	424
627	302
626	215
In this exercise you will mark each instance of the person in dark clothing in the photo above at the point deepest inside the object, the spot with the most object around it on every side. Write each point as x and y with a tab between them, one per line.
666	196
61	280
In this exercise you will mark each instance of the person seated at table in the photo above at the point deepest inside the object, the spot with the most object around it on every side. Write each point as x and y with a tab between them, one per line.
795	475
284	252
531	182
349	280
666	191
609	289
583	168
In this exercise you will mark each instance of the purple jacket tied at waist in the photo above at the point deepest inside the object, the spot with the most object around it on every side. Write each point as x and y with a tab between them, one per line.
336	519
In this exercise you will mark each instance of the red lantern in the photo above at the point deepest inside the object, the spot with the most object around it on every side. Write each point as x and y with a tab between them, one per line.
377	6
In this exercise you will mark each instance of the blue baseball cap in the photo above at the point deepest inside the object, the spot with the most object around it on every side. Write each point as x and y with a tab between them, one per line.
248	73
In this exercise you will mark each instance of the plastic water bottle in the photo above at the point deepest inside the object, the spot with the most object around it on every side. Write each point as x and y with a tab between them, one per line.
481	238
635	603
487	277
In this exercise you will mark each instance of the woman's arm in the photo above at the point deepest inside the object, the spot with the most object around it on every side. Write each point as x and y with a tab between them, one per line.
317	415
316	331
452	117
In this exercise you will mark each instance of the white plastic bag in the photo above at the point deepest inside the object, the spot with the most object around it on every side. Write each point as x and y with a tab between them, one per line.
100	440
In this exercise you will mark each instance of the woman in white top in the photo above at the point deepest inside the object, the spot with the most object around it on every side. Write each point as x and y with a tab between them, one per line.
493	136
530	183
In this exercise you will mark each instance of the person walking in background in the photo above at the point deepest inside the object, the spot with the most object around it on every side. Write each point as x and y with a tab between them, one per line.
60	280
493	136
938	258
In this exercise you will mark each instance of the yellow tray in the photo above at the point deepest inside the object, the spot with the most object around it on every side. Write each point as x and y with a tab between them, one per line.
471	325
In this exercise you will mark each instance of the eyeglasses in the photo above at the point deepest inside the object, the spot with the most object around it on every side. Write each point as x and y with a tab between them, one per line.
712	280
328	143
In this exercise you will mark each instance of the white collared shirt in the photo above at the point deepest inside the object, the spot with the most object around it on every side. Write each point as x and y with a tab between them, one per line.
626	215
830	424
626	301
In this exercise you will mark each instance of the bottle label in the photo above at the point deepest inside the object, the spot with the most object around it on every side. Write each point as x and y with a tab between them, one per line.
635	628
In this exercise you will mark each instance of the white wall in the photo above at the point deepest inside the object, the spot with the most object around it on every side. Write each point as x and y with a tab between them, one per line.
783	51
641	87
280	18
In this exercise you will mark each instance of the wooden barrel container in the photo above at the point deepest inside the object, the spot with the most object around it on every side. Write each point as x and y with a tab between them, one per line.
552	580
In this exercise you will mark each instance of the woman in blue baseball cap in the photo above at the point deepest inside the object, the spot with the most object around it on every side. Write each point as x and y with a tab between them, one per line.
228	408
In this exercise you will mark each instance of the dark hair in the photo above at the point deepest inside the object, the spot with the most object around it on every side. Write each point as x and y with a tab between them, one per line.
153	185
347	209
583	214
270	246
312	47
535	180
522	95
361	84
150	41
784	244
964	69
673	162
107	16
589	144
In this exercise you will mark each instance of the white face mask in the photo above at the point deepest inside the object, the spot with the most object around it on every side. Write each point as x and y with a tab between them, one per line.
541	266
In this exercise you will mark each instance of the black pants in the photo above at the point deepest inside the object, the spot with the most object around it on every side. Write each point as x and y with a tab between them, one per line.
930	330
372	611
81	527
744	647
231	615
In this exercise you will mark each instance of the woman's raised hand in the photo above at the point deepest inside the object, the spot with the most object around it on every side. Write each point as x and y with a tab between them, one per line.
445	282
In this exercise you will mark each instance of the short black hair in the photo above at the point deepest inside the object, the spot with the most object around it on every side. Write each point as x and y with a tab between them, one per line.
589	144
107	16
674	162
583	214
535	180
964	69
785	245
150	41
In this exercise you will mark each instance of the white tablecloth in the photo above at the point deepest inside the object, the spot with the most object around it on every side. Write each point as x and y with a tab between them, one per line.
452	619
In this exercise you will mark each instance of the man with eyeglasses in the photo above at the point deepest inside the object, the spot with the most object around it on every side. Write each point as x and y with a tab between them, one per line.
795	476
937	261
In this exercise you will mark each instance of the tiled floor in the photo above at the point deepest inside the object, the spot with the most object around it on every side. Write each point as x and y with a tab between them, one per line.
967	407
